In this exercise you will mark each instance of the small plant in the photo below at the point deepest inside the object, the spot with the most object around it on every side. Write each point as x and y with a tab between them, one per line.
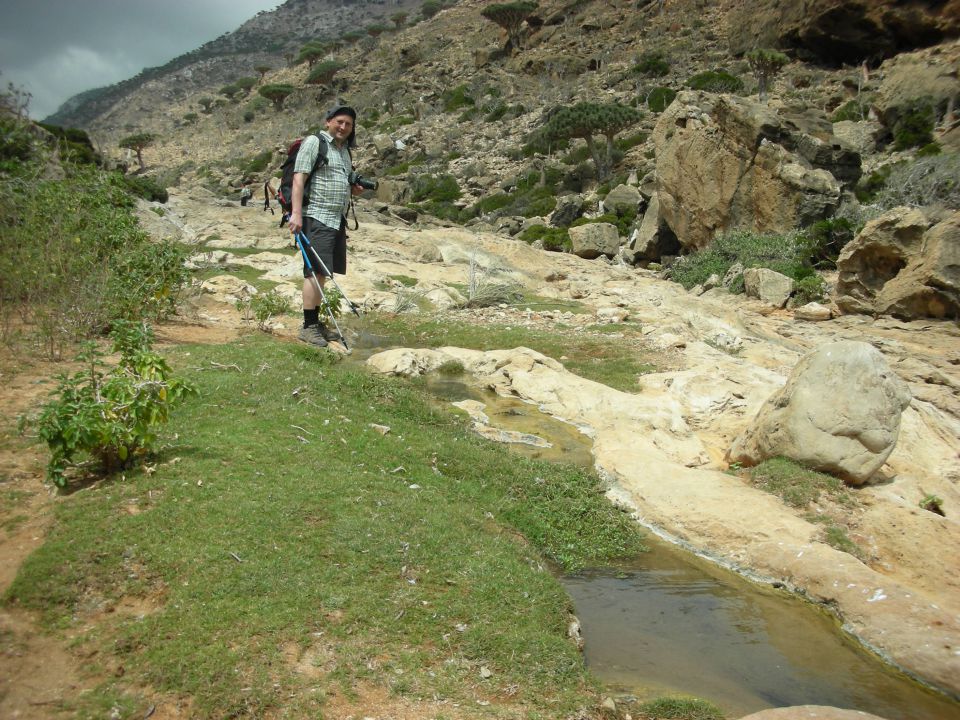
915	127
552	239
451	368
932	503
651	64
931	180
836	537
681	708
857	110
765	65
111	415
264	307
809	289
456	98
796	485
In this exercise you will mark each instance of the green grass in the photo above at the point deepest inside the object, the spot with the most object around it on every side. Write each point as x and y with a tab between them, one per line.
276	517
796	485
593	356
681	708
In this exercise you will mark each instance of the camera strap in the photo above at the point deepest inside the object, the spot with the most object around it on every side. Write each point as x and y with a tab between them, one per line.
356	223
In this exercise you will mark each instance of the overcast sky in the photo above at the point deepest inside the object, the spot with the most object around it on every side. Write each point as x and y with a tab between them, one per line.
55	49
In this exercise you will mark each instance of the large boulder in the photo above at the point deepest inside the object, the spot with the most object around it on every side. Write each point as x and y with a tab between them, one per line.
622	200
726	162
767	285
594	239
902	264
839	32
839	413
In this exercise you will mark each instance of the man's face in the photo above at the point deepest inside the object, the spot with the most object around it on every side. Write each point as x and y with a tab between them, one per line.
340	127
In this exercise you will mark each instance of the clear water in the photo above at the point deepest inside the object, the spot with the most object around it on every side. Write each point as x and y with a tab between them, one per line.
673	623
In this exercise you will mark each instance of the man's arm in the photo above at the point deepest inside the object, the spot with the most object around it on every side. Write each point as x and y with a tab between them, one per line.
296	202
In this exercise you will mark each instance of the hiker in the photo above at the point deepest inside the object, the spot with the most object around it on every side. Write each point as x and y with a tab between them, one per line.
267	192
245	194
324	220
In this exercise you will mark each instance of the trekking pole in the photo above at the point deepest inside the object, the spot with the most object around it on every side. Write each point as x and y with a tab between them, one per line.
303	243
326	271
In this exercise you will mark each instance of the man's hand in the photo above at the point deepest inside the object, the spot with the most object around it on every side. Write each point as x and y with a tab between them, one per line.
355	189
295	221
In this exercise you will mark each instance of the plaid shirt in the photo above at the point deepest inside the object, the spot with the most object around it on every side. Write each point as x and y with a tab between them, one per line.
329	189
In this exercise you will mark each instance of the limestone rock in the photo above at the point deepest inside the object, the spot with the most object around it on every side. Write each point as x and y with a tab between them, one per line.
810	712
726	162
919	77
569	208
898	265
594	239
812	311
622	199
768	285
838	413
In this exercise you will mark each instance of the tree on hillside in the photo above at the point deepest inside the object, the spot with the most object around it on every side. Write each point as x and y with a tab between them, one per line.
585	121
206	103
312	52
399	19
323	73
765	65
263	70
430	8
276	93
229	91
246	84
376	30
352	36
510	16
137	143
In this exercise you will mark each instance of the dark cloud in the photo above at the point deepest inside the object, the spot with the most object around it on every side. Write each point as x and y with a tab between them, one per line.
57	48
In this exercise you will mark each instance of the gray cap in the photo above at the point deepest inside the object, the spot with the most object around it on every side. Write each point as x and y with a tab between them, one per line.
341	110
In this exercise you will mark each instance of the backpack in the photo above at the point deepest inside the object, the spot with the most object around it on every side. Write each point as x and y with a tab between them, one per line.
285	191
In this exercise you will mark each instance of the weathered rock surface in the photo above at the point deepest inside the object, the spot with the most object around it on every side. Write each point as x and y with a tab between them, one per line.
810	712
839	413
840	31
768	285
594	239
726	162
902	265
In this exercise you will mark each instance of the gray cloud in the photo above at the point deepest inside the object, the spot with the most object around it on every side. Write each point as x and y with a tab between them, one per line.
57	48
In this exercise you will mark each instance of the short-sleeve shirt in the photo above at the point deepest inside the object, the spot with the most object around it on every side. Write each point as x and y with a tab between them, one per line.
329	187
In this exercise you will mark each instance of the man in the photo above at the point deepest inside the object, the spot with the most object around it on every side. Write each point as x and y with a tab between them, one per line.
324	219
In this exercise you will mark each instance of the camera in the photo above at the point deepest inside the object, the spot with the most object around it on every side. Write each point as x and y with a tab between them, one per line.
356	178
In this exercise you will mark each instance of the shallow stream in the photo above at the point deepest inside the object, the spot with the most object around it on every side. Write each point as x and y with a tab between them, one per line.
670	622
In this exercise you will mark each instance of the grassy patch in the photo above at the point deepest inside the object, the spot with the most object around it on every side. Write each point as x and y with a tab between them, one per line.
278	524
796	485
611	361
681	708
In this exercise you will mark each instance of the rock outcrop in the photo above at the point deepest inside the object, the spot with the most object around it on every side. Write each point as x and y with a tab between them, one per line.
725	162
901	264
838	32
838	413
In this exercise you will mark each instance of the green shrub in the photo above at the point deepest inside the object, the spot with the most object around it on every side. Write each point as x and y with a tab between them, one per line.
929	150
809	289
856	110
456	98
438	188
263	307
660	98
717	81
914	128
257	164
651	64
17	144
74	144
825	239
681	708
146	188
623	223
112	415
553	239
868	187
785	254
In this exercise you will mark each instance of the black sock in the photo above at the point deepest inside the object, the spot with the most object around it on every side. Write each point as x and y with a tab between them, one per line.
311	317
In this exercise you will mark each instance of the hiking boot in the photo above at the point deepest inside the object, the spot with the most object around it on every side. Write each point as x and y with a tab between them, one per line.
312	334
330	335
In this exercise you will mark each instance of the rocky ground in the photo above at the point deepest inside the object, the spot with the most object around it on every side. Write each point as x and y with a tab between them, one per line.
662	447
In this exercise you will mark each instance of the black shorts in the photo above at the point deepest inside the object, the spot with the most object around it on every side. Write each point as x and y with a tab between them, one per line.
329	244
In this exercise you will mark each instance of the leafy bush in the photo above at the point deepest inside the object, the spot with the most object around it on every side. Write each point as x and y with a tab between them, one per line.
785	254
553	239
111	415
717	81
660	98
825	239
651	64
258	163
809	289
856	110
440	188
75	259
623	223
146	188
915	127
